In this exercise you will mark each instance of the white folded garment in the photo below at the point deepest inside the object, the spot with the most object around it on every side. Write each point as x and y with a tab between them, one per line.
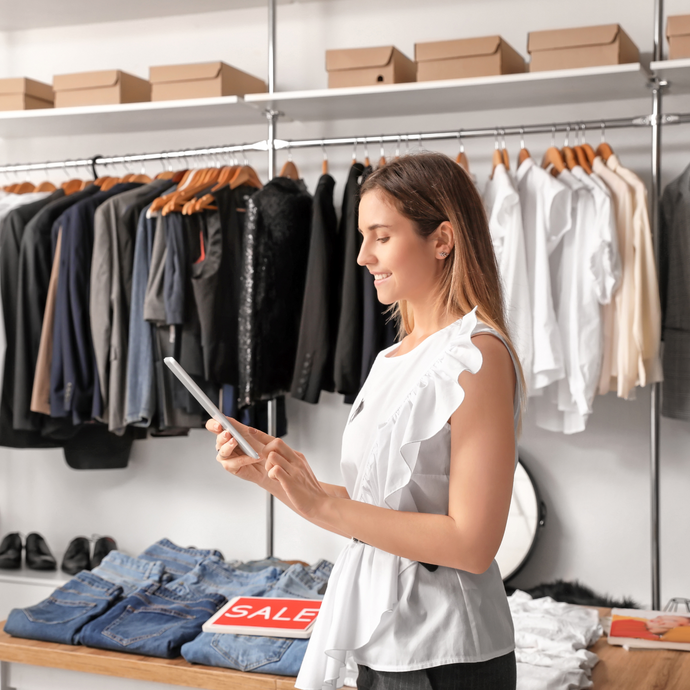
550	643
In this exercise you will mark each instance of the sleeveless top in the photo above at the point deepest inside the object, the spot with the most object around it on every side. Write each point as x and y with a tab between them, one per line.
382	610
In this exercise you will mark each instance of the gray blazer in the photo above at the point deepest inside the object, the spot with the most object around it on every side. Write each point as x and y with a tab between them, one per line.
115	225
674	291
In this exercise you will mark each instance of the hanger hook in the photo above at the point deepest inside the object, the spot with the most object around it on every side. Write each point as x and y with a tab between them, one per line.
567	136
583	132
461	143
366	147
383	153
397	147
354	151
323	148
407	144
522	138
603	132
496	139
553	136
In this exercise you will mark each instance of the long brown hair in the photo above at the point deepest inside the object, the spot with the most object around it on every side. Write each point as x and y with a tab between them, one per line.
428	189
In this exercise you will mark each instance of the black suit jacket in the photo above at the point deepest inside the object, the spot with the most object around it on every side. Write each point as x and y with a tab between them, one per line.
320	308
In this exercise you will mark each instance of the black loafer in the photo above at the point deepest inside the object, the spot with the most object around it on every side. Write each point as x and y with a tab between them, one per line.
76	557
11	552
102	547
38	555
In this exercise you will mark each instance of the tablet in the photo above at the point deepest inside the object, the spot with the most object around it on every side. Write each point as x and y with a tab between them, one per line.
206	403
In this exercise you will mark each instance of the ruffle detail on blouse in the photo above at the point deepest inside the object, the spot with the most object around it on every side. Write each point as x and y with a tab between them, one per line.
424	412
350	613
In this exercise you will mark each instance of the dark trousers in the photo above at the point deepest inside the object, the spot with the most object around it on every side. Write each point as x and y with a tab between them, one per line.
496	674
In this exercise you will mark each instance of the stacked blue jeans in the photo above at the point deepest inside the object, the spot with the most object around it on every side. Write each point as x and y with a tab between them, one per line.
214	575
131	573
277	655
62	616
155	620
177	559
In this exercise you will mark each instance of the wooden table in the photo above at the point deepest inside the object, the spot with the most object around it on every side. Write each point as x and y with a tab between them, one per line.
647	669
617	669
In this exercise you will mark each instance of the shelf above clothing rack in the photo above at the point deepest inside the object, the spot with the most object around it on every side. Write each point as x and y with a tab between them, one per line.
194	113
530	89
676	73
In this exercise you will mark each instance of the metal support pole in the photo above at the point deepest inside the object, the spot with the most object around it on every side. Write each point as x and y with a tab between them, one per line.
272	117
656	388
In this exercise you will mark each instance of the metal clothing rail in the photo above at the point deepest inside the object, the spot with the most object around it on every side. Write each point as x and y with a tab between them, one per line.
573	128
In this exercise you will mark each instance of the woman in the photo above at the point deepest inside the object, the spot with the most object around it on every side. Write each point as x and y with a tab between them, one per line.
416	599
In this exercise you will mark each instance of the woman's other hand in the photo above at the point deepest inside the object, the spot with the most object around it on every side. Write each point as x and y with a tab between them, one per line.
231	457
292	471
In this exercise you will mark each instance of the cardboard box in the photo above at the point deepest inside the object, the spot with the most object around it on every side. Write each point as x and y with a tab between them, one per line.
466	57
99	88
201	80
368	67
678	34
25	94
589	46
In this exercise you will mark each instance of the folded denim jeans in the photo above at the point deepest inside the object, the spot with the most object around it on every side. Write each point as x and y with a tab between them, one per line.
214	575
62	616
131	573
278	655
270	562
177	559
154	621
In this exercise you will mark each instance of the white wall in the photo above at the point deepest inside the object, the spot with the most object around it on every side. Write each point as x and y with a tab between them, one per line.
596	484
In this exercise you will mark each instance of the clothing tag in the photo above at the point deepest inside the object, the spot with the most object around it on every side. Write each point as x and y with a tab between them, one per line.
360	407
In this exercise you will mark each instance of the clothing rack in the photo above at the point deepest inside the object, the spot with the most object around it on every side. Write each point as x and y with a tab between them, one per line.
655	121
573	129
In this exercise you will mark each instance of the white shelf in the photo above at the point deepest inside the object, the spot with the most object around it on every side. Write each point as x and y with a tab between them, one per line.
16	16
128	117
675	72
25	576
617	82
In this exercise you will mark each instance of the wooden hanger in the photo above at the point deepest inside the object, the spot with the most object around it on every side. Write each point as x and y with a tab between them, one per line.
604	150
569	157
289	170
324	166
46	187
206	178
589	152
71	186
582	159
109	183
189	178
524	153
165	175
461	160
143	178
25	187
496	160
246	175
553	157
226	174
382	157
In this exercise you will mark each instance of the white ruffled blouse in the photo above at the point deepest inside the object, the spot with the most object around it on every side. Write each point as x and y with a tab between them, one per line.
385	611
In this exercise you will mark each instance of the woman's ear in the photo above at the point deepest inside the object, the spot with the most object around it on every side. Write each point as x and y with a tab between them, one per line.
445	239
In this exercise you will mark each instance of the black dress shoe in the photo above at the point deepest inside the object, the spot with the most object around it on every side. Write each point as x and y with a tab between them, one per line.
11	552
102	547
38	556
76	557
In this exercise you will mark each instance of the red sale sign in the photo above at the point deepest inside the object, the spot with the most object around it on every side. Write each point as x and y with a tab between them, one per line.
264	616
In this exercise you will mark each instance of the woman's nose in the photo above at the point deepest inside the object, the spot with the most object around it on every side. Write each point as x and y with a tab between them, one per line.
365	255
